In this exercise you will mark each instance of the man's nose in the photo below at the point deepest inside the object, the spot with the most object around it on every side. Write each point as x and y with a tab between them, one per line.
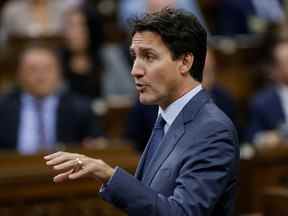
137	70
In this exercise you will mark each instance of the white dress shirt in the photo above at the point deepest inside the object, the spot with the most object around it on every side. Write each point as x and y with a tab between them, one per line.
28	133
172	111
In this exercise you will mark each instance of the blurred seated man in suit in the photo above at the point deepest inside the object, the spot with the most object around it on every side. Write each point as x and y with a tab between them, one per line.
269	107
40	114
142	117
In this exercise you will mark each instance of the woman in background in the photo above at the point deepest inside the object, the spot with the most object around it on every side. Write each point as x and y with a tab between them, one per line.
80	57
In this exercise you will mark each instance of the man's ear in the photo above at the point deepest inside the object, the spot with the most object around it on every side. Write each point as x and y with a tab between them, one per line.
186	63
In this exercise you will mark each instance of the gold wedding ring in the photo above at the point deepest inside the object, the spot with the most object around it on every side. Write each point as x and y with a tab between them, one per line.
79	162
78	165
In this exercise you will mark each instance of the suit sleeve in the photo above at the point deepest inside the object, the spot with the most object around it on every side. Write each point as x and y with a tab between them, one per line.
209	167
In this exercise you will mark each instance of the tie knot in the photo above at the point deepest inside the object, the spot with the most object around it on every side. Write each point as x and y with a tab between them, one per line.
160	122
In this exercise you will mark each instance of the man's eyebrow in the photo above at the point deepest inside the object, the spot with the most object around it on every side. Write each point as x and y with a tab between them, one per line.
141	49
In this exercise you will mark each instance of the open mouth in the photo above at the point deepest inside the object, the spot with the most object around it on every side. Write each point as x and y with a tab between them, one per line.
140	87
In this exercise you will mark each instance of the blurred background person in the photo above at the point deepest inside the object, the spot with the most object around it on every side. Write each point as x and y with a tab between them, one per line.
117	81
40	114
130	8
269	107
80	55
236	17
219	94
33	18
118	85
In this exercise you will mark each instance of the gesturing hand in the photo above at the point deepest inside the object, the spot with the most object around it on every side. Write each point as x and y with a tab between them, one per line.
74	166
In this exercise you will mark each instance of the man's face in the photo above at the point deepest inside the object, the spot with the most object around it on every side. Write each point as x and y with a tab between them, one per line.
156	74
39	73
76	32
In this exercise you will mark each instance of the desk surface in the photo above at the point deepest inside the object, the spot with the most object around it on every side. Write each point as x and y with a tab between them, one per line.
28	178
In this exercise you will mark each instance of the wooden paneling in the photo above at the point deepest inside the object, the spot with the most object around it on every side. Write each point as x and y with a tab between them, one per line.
26	184
275	201
27	187
269	168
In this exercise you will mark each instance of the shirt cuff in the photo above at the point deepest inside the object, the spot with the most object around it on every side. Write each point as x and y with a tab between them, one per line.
104	186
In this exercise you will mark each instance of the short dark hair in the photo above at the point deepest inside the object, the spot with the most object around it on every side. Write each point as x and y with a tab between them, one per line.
180	31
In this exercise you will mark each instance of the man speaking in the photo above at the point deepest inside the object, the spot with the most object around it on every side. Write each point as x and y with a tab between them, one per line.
190	164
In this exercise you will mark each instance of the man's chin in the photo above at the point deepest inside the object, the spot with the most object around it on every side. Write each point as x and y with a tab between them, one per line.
146	100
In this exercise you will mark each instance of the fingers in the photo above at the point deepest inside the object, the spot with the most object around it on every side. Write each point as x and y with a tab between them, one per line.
74	166
60	157
54	155
79	174
62	177
51	156
89	169
66	165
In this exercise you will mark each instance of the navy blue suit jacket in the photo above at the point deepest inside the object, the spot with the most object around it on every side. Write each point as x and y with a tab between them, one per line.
142	117
75	120
266	112
193	173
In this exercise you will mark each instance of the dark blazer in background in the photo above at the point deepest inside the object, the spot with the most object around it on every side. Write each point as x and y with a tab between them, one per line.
87	84
233	17
194	171
140	124
74	120
266	112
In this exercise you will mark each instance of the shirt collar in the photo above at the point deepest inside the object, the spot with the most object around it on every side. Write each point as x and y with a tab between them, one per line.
29	99
172	111
282	89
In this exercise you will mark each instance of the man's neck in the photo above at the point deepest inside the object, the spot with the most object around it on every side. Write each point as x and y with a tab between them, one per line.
185	88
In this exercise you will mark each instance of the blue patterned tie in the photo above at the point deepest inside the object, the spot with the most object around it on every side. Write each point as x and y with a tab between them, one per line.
156	137
42	136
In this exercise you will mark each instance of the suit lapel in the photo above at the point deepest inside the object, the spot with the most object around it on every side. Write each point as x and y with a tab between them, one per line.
139	170
173	135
